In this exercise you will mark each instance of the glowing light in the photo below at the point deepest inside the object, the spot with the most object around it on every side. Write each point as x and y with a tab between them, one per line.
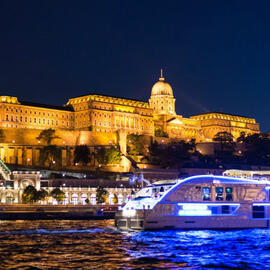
53	162
13	141
129	212
38	141
194	213
194	206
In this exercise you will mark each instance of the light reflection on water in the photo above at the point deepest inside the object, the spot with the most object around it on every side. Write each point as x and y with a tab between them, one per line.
97	245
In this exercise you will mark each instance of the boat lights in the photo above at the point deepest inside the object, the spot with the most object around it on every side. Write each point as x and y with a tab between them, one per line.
204	209
129	212
195	212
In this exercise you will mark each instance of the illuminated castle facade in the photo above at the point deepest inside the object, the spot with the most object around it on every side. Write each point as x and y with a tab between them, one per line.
98	120
108	114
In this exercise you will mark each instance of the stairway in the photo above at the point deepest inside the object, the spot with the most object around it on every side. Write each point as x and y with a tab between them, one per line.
4	170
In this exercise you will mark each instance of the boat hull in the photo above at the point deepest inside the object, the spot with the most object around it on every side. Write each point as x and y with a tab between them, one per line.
142	221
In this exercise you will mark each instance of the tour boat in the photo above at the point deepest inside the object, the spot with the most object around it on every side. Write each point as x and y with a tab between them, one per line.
198	202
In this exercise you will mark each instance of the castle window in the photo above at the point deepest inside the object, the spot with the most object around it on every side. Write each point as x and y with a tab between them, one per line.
25	119
48	121
6	117
21	118
43	121
7	109
35	120
39	121
30	120
56	122
11	117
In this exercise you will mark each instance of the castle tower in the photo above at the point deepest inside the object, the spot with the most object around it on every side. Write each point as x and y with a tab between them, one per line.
162	100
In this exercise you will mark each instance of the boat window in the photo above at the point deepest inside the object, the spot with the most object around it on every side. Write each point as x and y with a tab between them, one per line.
225	209
206	193
258	212
219	194
229	196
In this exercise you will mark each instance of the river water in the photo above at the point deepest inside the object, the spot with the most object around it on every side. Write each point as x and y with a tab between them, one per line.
84	244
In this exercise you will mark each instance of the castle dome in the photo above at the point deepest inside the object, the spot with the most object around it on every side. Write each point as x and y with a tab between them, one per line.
161	88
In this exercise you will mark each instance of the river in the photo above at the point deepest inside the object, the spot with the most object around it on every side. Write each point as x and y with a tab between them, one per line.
92	244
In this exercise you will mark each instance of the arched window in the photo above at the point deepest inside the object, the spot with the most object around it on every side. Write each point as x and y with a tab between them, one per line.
120	199
93	199
83	198
74	198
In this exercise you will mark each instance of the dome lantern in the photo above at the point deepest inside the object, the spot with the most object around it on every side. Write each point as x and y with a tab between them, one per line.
161	88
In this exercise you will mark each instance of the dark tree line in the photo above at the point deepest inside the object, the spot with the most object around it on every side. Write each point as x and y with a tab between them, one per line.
172	155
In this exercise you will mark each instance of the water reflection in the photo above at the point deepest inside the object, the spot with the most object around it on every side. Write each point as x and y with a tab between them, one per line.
97	245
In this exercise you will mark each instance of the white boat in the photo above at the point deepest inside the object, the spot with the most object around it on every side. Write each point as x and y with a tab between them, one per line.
198	202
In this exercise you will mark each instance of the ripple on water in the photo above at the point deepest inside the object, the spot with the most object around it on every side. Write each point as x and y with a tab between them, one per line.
97	245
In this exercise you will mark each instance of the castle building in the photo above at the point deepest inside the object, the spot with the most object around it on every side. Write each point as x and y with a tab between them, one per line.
99	120
100	113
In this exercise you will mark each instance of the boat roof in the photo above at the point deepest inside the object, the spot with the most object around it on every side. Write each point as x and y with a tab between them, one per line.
217	179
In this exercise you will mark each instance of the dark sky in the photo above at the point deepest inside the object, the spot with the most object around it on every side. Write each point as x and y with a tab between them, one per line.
215	54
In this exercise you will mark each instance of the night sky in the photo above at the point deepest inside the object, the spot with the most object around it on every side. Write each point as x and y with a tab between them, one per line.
215	54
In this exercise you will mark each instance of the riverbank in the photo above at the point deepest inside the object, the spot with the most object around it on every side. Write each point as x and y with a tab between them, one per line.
61	212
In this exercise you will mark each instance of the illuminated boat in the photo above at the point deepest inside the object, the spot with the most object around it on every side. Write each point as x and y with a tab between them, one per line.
198	202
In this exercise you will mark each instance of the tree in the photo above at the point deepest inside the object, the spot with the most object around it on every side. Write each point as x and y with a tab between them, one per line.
171	155
101	194
58	194
226	141
242	137
51	154
108	156
42	194
134	144
115	199
82	154
30	194
47	135
160	133
257	149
